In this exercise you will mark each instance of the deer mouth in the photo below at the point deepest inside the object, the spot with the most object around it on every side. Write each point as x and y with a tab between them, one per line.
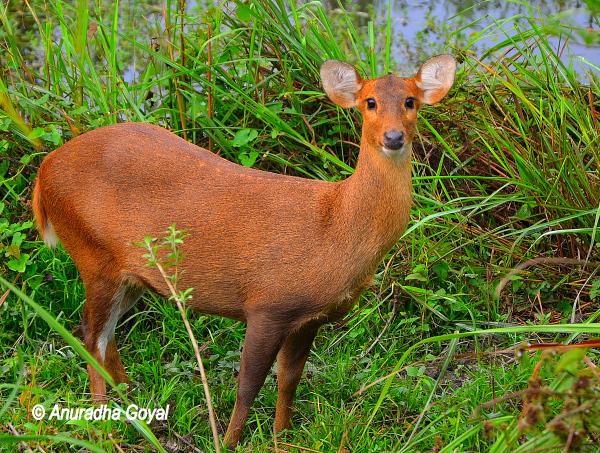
395	153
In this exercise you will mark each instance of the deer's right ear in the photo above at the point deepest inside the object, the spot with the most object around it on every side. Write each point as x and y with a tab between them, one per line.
341	82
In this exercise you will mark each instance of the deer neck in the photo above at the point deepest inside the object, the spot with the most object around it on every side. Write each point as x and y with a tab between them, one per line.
376	200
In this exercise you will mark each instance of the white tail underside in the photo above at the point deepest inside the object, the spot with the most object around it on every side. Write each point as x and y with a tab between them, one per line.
50	237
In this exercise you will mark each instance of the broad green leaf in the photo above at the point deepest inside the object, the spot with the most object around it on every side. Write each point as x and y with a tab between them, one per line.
53	137
571	360
243	137
244	13
36	133
18	265
249	159
441	271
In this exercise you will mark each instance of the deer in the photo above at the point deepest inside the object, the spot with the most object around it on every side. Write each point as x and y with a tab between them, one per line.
283	254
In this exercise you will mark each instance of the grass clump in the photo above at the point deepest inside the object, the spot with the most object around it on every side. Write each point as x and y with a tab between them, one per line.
506	172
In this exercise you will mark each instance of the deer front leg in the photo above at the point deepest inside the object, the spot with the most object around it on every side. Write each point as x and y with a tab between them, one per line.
263	340
290	363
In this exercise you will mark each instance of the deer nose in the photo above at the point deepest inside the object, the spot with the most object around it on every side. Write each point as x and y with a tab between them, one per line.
393	139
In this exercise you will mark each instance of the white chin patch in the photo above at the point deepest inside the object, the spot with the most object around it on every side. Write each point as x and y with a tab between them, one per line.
395	153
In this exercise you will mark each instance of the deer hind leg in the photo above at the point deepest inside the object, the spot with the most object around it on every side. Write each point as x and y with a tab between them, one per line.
112	362
106	302
290	363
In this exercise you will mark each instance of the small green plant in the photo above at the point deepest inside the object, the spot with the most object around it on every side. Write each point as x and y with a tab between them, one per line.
165	255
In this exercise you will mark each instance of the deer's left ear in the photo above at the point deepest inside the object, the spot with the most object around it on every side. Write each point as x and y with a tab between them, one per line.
435	78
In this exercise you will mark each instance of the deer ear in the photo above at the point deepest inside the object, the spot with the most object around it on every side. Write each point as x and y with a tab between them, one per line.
341	82
435	78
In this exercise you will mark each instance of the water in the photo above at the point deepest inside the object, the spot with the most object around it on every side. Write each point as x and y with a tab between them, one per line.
420	27
425	27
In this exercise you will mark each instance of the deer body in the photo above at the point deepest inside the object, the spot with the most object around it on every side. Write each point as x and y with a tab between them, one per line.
245	234
283	254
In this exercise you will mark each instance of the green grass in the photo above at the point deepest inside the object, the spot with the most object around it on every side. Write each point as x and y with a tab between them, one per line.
506	170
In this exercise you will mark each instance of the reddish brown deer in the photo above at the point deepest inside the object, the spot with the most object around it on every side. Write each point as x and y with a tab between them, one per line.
283	254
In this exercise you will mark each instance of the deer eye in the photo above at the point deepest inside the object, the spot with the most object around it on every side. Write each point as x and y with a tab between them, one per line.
409	103
371	104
